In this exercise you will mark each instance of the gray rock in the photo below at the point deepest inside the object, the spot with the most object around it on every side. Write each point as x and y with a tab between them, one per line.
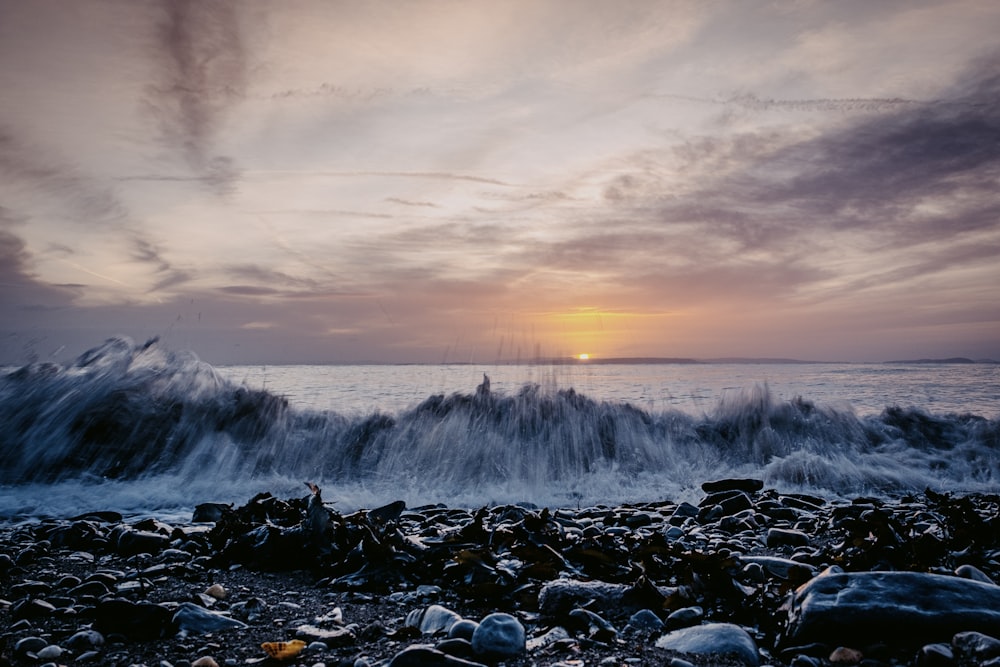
561	596
935	655
786	537
684	617
973	572
332	638
554	635
975	646
499	635
85	640
713	639
432	620
29	645
425	656
643	621
895	608
747	485
192	619
50	652
462	629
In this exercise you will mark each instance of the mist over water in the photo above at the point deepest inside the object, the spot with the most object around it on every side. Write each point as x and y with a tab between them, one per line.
143	429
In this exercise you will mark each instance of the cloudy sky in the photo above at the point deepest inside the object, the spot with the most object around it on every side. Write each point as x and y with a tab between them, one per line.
298	181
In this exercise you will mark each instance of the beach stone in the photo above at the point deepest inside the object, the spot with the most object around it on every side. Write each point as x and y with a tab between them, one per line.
132	542
644	621
556	634
332	638
84	640
935	655
974	573
425	656
462	629
217	591
782	568
432	620
746	485
32	608
460	648
560	596
29	645
894	608
499	634
192	619
684	617
786	537
842	655
975	646
596	626
50	652
134	620
713	639
205	661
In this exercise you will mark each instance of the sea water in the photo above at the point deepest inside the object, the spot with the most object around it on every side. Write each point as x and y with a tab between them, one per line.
147	430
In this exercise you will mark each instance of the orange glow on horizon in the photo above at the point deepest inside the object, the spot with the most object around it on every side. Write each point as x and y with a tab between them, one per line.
583	356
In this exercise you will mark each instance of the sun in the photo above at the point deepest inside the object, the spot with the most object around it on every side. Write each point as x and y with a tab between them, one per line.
583	356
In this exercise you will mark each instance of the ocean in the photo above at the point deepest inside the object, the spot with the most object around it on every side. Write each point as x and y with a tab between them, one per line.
146	430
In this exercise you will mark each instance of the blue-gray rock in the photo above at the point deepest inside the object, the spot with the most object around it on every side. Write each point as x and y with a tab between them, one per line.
85	640
685	617
896	608
747	485
191	619
935	655
596	627
975	646
425	656
134	620
499	635
786	537
132	542
973	572
713	639
332	638
463	629
432	620
782	568
560	596
29	645
645	622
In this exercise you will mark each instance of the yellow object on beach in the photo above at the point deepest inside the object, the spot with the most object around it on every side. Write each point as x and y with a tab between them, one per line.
283	650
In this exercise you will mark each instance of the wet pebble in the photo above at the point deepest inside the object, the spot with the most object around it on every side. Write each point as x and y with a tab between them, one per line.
499	634
713	639
432	620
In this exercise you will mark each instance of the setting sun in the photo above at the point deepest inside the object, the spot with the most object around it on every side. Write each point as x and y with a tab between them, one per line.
583	357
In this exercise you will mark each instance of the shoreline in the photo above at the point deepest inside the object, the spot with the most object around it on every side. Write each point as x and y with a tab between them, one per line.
609	585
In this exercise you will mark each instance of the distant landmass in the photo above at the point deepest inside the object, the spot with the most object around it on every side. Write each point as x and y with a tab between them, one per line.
949	360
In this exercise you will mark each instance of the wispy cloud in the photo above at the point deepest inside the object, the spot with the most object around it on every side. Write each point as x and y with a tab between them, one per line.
201	73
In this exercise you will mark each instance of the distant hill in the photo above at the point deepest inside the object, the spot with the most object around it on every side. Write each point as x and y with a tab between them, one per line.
950	360
759	360
635	360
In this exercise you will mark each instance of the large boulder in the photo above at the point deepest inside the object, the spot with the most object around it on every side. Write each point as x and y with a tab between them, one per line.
896	608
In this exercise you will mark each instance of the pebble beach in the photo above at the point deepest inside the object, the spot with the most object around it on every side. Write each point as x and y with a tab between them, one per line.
747	576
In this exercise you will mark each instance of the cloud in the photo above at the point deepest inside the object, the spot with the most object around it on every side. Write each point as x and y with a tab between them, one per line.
201	73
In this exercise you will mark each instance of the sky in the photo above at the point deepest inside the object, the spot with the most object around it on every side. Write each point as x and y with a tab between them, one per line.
477	181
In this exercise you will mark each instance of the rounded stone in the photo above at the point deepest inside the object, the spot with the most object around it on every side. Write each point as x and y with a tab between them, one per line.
462	629
29	645
713	639
50	652
499	634
644	620
84	640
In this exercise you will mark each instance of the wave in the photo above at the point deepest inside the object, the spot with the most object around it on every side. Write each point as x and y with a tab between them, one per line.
146	427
